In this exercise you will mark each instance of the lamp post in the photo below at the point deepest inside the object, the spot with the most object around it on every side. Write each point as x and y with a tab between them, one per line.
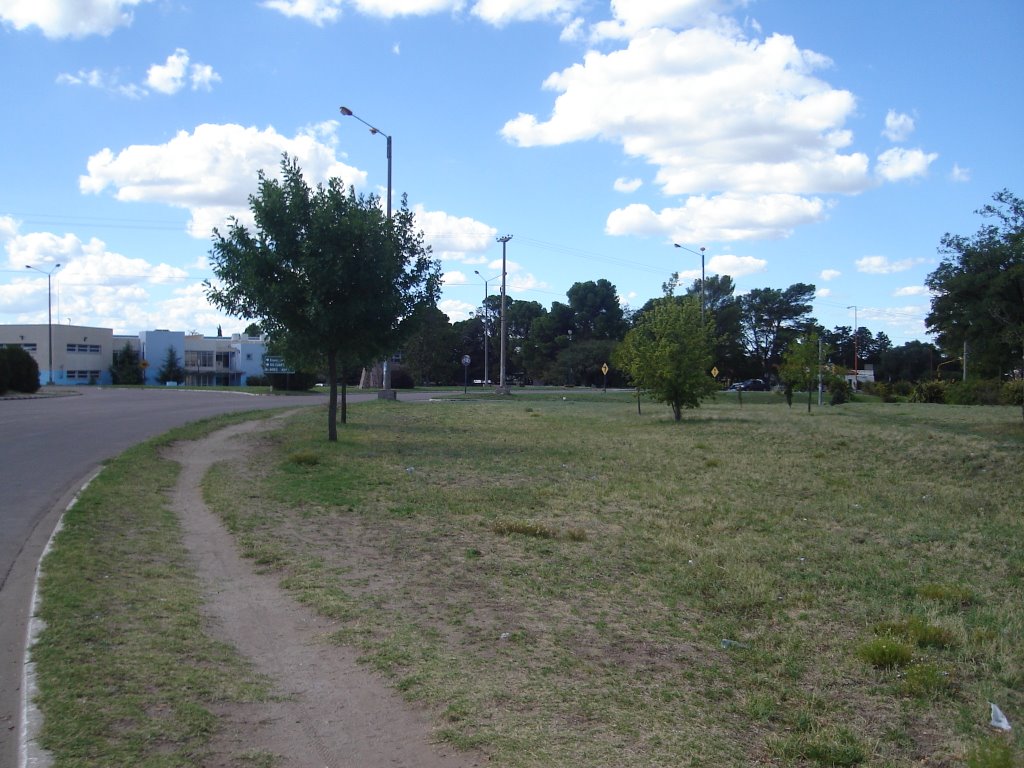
386	394
49	315
856	362
487	332
701	254
504	324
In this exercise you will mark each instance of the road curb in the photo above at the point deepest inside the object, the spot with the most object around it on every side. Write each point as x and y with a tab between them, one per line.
30	754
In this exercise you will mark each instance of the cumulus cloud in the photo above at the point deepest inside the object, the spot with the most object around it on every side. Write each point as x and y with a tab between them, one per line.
104	81
501	12
630	17
456	310
454	238
69	18
960	174
170	77
318	12
897	164
823	293
829	274
881	265
721	218
211	171
898	127
911	290
623	184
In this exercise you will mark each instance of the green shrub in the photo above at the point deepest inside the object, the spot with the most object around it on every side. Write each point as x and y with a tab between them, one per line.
839	391
928	392
257	381
18	370
974	392
1013	392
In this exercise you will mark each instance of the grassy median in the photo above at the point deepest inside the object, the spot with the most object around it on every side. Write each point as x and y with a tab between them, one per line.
566	582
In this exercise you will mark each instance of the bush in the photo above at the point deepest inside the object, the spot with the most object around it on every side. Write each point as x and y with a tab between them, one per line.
929	392
292	382
839	391
18	370
257	381
974	392
1013	392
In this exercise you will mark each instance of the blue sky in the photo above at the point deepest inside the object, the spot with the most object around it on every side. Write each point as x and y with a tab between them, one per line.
830	143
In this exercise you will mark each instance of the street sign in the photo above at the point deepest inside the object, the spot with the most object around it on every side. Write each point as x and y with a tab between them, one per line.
714	371
604	369
275	364
465	360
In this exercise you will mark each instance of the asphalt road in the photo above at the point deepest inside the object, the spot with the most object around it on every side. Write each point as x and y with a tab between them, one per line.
49	446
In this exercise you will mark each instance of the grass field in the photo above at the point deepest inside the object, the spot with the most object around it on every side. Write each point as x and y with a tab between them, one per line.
566	582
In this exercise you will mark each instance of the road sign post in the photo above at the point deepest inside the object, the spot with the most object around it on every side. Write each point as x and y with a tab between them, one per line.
465	374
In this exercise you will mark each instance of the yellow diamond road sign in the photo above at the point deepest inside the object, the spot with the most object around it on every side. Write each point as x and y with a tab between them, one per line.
714	372
604	369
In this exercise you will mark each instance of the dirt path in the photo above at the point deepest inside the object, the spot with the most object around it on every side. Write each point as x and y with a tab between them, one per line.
328	711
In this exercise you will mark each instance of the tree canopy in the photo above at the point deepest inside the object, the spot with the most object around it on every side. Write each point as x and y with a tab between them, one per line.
978	289
668	354
325	274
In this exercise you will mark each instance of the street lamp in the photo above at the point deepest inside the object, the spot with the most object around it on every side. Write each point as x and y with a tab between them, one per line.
487	333
856	362
504	324
49	314
701	254
386	394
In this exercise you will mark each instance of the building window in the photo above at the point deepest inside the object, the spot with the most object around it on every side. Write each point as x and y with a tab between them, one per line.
87	348
29	346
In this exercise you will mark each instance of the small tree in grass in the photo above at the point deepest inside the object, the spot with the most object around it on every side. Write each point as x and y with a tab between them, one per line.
325	274
668	354
800	366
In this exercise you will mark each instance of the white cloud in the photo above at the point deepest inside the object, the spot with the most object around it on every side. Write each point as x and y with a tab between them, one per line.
631	17
735	266
456	310
725	217
912	290
880	265
898	127
823	293
623	184
960	174
501	12
169	77
897	163
68	18
318	12
829	274
711	110
454	238
210	172
104	81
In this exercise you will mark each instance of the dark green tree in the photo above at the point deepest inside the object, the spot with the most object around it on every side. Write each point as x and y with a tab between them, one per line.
978	289
771	318
668	354
431	353
19	371
325	274
126	367
914	361
597	313
171	369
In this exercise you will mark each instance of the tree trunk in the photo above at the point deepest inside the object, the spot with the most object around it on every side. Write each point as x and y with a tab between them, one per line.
332	406
344	398
677	412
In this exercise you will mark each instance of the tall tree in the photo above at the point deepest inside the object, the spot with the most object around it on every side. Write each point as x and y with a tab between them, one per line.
325	273
171	370
431	352
771	318
978	289
668	354
597	313
127	367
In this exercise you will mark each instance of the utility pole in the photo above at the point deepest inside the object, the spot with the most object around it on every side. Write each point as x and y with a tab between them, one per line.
502	386
856	362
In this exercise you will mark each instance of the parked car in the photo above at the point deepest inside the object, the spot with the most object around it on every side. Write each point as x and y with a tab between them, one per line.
750	385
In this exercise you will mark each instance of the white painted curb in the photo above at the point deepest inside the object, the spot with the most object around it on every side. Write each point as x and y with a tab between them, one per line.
30	754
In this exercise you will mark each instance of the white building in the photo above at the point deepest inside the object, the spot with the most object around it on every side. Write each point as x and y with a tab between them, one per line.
84	355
